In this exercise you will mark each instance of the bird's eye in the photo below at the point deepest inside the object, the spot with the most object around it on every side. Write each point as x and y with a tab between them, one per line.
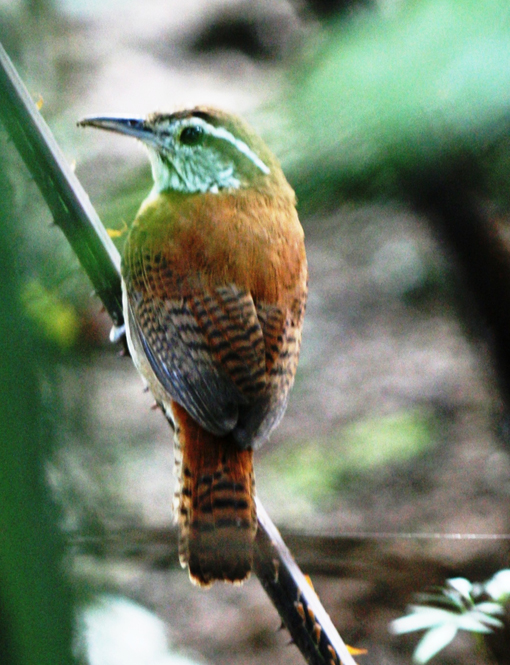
192	135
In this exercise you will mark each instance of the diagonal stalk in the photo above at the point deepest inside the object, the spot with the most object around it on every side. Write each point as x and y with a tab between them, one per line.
65	197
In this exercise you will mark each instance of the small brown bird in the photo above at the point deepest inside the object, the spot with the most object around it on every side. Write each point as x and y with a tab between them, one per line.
214	288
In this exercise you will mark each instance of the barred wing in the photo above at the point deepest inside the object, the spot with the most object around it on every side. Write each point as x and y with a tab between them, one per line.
206	350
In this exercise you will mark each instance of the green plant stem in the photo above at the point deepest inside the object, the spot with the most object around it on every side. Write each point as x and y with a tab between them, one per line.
63	193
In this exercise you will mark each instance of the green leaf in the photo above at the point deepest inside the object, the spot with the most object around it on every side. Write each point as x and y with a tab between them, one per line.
473	623
462	585
498	587
489	608
433	641
35	607
391	91
421	618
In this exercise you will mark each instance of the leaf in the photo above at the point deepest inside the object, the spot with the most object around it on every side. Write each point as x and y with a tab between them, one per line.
433	641
35	599
489	608
485	618
462	585
472	624
420	619
498	587
439	599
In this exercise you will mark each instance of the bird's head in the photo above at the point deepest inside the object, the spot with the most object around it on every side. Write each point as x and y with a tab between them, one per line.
199	150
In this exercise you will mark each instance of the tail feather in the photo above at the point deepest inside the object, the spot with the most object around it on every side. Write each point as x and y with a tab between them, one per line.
215	505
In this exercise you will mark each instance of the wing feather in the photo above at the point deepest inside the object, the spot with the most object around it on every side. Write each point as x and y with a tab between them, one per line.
206	350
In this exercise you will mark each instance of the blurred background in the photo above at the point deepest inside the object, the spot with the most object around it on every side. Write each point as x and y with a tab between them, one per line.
391	119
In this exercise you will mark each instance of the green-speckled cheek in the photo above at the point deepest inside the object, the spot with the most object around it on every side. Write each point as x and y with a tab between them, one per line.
215	160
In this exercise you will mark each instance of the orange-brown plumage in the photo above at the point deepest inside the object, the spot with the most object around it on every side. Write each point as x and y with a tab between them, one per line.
215	284
215	505
251	239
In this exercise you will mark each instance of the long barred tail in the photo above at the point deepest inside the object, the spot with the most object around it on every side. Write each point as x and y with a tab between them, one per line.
215	504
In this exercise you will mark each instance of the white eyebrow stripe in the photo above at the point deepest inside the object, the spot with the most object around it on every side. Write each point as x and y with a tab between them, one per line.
222	133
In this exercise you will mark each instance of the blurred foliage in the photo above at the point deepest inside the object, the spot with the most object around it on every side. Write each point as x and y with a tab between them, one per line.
114	630
459	605
119	210
402	91
55	293
319	469
56	320
35	608
374	443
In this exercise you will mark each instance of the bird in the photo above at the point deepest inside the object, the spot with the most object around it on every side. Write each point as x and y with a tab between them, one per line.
214	283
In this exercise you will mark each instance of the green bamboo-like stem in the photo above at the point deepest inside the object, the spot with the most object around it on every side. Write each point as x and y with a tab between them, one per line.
61	189
300	609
